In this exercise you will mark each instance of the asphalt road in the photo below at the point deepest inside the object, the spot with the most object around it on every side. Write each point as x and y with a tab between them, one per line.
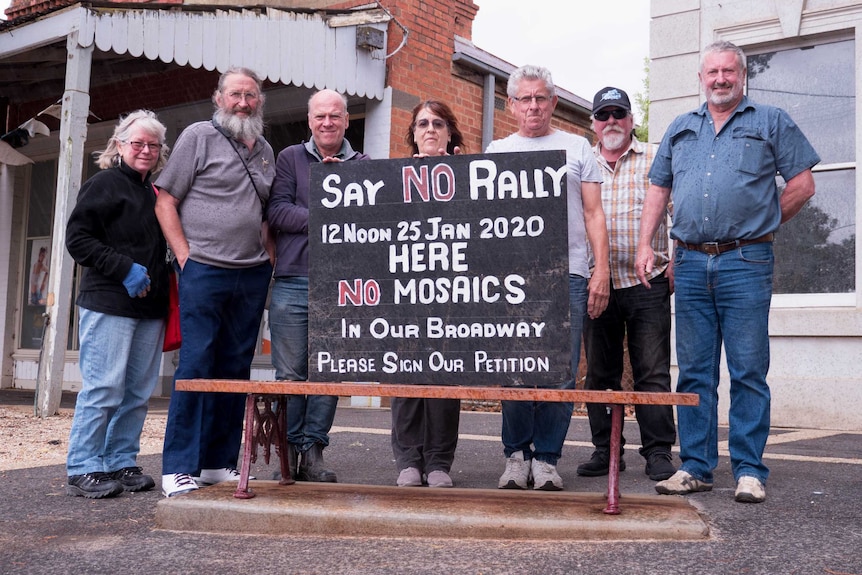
811	523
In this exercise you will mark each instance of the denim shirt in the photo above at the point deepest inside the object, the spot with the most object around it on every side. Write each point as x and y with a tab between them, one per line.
723	185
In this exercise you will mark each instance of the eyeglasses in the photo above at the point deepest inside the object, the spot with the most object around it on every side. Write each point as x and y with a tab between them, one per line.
239	96
540	100
138	146
617	113
438	124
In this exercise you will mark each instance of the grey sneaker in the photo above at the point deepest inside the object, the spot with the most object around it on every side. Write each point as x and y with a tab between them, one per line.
439	478
681	483
517	474
545	476
750	490
409	477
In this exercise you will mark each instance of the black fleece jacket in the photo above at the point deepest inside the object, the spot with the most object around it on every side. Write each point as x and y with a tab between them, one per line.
112	225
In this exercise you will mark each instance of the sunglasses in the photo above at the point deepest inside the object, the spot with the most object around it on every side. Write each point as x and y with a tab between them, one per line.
603	115
424	123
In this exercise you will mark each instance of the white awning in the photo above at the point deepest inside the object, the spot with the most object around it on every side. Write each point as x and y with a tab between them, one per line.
310	49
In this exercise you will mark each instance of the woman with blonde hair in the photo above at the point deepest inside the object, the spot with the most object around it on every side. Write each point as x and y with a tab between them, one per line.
123	300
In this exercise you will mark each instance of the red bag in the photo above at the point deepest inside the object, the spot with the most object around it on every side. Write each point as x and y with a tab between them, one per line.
173	336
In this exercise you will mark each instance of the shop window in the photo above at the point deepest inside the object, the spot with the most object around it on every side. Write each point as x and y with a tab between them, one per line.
37	258
815	252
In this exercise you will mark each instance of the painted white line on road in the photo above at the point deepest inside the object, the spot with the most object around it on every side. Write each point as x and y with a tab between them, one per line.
784	438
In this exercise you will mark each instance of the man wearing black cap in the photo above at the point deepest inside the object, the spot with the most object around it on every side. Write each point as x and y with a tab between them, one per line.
637	312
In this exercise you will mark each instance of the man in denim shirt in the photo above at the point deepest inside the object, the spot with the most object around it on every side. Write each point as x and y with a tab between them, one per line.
719	162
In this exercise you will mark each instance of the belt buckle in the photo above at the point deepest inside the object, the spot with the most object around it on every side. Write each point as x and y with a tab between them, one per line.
711	248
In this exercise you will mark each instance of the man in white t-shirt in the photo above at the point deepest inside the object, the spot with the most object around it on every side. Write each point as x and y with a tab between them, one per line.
533	432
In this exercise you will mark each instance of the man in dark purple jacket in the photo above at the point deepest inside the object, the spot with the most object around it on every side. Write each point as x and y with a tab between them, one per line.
309	417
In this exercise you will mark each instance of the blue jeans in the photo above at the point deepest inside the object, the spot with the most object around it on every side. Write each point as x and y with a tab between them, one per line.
309	417
724	298
119	361
544	424
220	313
641	317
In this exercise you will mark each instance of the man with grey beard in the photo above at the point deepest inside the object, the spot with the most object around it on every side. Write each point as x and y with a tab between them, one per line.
212	206
635	314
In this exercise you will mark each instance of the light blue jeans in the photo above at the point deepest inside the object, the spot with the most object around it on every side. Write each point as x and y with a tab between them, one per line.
119	361
544	424
309	417
724	298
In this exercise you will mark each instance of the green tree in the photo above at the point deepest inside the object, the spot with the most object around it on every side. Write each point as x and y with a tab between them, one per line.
642	101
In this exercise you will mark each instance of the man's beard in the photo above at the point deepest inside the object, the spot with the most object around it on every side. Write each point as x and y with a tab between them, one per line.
722	99
613	139
243	129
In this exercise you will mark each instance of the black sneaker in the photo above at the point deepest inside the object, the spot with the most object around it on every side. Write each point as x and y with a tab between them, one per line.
94	485
598	465
659	465
133	480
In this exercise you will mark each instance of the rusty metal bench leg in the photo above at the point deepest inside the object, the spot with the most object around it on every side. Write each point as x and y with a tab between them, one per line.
242	490
281	441
613	507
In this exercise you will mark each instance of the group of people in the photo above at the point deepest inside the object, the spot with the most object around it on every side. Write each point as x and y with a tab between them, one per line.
234	217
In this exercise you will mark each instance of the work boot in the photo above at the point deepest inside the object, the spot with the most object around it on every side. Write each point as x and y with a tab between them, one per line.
292	460
311	466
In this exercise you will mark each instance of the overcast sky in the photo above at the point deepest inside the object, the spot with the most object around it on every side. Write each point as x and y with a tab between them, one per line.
585	45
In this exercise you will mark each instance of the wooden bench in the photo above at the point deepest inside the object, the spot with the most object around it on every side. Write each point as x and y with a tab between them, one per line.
266	427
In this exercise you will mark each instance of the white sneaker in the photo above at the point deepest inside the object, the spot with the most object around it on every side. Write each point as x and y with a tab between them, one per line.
545	476
681	483
439	478
517	474
177	484
409	477
213	476
750	490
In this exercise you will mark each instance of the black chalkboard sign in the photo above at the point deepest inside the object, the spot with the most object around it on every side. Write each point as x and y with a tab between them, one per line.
443	270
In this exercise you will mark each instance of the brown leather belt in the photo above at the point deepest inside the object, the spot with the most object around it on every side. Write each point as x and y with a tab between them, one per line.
715	248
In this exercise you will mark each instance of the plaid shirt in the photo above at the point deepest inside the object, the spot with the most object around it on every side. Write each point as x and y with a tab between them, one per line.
623	192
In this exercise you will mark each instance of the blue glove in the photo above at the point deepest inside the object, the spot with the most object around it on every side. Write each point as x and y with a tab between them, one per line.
136	280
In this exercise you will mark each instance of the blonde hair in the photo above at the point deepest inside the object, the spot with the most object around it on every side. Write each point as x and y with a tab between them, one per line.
143	119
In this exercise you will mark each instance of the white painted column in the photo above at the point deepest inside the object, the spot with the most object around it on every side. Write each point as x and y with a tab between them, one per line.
7	306
73	135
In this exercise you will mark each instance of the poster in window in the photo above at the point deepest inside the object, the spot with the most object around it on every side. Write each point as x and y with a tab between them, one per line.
40	261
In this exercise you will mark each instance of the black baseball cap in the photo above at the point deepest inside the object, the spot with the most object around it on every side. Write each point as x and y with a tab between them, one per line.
607	97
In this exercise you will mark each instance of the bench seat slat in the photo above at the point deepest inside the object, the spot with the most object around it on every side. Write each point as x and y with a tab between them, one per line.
436	391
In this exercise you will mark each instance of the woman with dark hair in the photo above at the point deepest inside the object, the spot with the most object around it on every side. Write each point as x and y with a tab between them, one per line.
434	130
123	300
425	431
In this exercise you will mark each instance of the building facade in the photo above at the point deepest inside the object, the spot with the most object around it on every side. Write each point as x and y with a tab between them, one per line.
97	61
803	56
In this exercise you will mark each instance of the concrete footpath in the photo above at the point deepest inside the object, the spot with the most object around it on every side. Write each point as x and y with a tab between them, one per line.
811	522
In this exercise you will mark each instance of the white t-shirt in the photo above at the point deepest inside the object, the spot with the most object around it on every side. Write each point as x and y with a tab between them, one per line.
582	168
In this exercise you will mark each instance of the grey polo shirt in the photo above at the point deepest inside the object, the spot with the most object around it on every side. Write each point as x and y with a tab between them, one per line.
220	211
